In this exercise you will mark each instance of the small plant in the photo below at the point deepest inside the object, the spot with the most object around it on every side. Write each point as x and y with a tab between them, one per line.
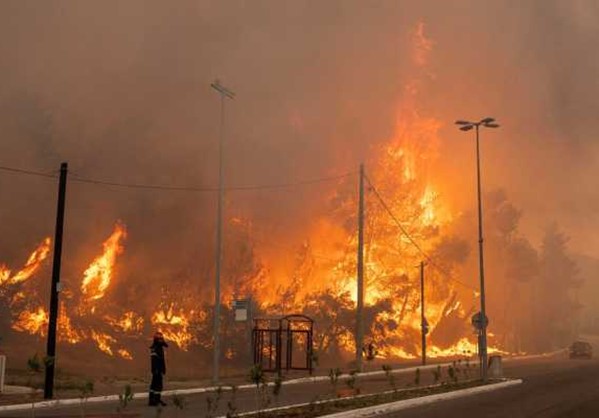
417	377
334	378
276	389
467	369
212	403
457	365
34	366
49	361
258	378
232	404
437	374
264	396
86	389
390	377
352	380
451	372
179	402
257	375
125	399
314	358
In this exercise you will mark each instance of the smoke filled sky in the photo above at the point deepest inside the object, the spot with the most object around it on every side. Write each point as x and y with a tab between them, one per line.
121	90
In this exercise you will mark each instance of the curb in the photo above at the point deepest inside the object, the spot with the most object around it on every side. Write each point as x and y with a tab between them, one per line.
387	408
324	401
193	391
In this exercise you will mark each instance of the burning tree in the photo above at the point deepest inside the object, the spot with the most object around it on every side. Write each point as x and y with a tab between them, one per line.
408	220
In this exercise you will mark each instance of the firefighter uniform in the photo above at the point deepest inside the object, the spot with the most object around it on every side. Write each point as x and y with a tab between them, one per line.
158	367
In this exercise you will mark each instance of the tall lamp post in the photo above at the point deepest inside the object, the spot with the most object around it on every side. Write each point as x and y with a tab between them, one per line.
224	93
467	126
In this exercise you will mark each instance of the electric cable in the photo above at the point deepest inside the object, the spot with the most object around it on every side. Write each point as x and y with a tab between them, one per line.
80	179
412	241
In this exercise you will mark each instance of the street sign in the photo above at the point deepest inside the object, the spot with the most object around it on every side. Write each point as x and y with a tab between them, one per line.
241	303
241	308
477	321
241	314
425	327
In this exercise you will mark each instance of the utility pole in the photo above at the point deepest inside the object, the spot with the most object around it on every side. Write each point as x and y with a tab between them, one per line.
55	288
224	93
423	322
360	271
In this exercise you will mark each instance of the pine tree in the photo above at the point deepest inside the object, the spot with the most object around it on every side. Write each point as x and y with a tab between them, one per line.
556	311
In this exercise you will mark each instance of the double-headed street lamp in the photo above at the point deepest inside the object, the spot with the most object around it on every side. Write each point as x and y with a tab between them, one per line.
467	126
224	93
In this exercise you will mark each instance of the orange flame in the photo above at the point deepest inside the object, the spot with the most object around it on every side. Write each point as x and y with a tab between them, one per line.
174	326
33	264
412	195
98	275
103	341
128	322
124	354
33	322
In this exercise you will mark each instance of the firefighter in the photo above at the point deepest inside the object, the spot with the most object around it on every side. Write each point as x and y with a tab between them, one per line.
158	365
370	351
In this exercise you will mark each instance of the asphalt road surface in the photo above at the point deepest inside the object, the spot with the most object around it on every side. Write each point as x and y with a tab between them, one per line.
555	387
559	388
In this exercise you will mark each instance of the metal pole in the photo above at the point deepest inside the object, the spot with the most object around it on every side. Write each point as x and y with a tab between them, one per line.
423	325
219	245
55	288
249	323
360	268
224	92
483	341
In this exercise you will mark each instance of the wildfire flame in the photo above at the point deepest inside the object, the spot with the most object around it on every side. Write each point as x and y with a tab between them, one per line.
174	326
104	342
33	322
98	275
400	171
34	262
129	322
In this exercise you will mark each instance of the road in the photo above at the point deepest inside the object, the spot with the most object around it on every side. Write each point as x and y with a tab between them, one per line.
564	388
555	387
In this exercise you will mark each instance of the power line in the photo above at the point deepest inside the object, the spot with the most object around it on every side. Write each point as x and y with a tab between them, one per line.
412	241
27	172
80	179
210	189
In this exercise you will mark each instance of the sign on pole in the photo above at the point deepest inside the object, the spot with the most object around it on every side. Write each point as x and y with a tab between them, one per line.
477	321
425	326
241	308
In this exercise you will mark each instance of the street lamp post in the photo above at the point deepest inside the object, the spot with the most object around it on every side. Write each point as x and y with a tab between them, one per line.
466	126
224	93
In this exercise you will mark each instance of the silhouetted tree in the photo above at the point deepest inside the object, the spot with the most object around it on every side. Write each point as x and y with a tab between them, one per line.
554	307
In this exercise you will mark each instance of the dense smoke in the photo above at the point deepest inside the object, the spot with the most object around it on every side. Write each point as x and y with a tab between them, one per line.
121	90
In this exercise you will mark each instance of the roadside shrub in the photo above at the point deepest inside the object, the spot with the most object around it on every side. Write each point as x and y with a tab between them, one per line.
389	375
125	399
334	378
232	404
437	374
